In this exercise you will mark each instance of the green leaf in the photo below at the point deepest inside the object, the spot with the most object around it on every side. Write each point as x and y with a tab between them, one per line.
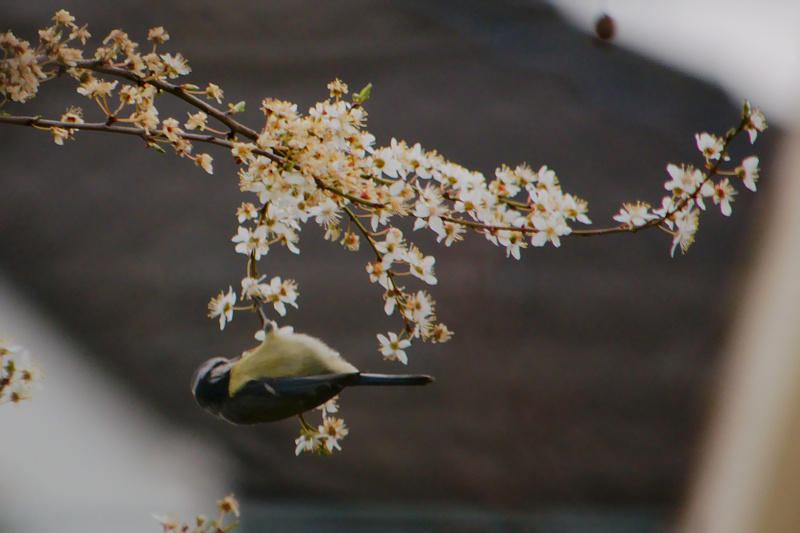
363	95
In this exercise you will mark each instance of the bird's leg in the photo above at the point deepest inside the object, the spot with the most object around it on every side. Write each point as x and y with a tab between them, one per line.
306	425
264	320
266	324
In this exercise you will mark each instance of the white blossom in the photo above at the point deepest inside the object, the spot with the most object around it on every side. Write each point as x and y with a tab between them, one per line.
748	172
393	348
222	306
635	214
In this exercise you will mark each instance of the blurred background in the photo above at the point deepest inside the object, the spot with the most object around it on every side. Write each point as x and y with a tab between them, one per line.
603	386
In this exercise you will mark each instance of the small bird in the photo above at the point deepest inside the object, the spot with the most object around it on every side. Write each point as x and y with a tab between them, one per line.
288	374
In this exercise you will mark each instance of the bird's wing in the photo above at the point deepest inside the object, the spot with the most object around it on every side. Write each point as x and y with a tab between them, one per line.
271	399
297	387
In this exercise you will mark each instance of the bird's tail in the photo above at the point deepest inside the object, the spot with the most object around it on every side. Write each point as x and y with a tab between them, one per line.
390	379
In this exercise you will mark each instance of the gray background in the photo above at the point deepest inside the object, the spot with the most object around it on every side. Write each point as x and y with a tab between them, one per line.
579	376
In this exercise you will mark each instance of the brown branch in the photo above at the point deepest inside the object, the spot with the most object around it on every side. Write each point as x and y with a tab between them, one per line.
236	127
396	290
712	169
39	122
175	90
224	117
581	233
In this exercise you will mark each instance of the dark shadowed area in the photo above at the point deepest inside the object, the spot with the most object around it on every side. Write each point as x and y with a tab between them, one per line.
576	377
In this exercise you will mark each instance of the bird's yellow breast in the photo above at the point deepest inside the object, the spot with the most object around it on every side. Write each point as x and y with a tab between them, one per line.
287	355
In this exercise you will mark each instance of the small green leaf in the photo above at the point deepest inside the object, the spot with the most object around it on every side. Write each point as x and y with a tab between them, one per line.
363	95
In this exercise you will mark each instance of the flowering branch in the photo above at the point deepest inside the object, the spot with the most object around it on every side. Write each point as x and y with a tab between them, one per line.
324	166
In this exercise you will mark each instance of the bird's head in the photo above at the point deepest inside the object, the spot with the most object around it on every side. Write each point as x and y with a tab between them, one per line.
210	383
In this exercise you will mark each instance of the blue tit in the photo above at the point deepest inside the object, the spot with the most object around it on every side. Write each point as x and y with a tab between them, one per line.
288	374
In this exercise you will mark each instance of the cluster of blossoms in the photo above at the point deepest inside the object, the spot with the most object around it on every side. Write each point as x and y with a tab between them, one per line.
227	506
325	167
19	377
689	186
23	68
324	438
